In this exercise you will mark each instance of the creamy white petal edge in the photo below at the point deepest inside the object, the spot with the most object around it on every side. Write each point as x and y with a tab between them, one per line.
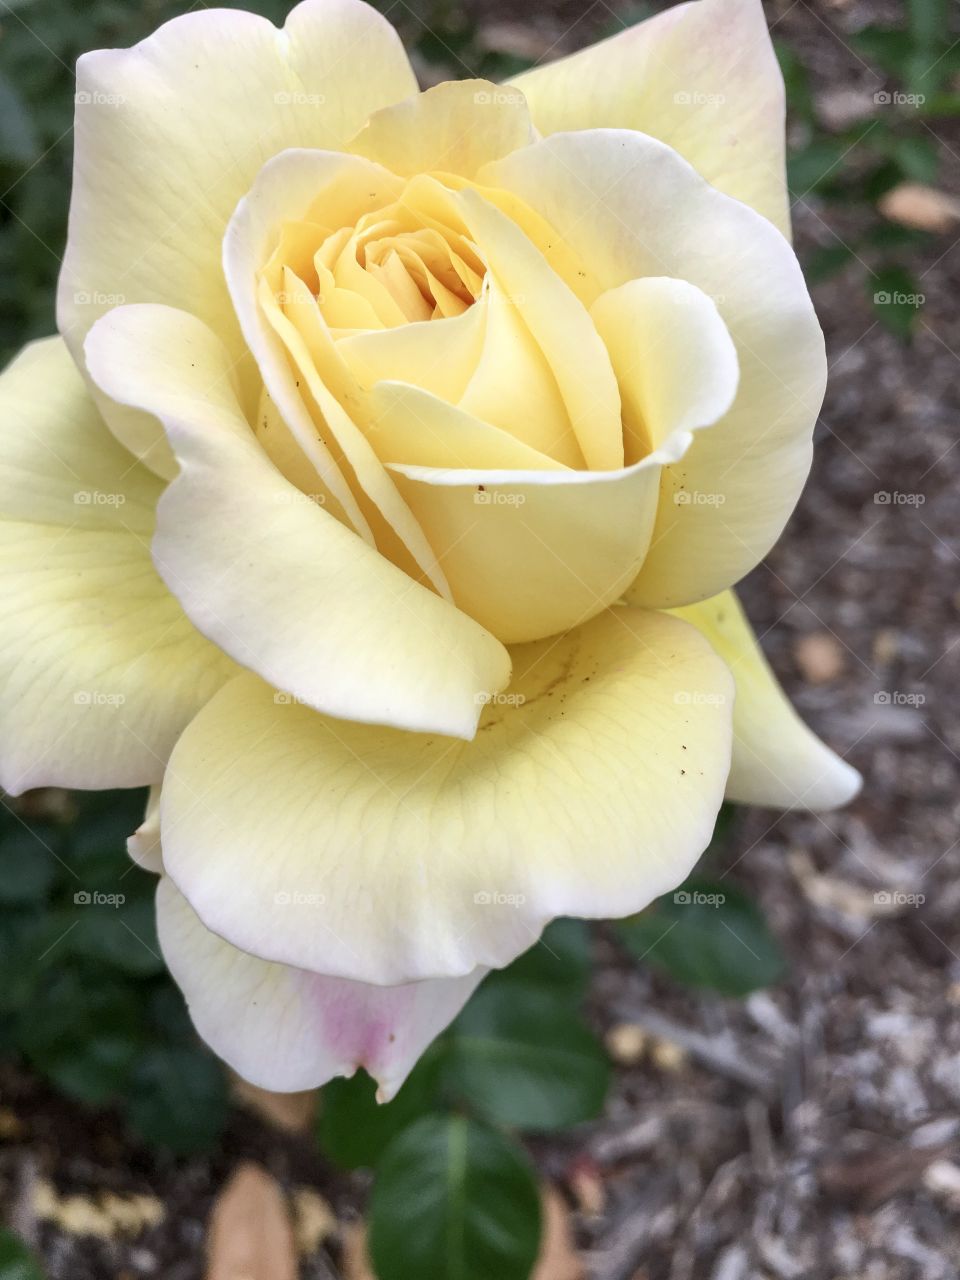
702	77
777	760
269	575
364	852
99	667
630	207
170	134
285	1029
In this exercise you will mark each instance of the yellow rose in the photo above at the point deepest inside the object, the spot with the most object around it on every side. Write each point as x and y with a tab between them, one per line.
382	497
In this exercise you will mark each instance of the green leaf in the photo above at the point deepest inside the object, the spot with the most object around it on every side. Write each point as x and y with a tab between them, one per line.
28	865
83	1031
453	1201
706	935
918	158
19	142
815	166
354	1129
123	936
177	1099
897	300
16	1260
929	24
888	47
519	1055
826	262
560	958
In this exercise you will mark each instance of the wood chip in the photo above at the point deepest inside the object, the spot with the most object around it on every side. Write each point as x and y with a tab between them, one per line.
250	1236
314	1220
819	656
626	1043
923	208
558	1258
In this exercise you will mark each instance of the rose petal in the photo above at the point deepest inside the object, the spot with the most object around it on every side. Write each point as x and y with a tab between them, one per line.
777	760
285	1029
591	790
99	668
268	574
702	77
169	136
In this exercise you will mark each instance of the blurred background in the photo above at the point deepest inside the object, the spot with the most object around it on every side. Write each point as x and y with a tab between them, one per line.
769	1088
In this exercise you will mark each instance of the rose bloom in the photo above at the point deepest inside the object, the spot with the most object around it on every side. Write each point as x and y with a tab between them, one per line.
380	501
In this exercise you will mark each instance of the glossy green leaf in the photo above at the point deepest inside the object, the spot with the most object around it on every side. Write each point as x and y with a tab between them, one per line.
897	300
16	1260
453	1200
520	1055
706	934
353	1128
561	958
178	1098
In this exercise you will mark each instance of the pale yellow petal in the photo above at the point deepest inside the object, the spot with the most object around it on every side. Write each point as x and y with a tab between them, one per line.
701	76
532	553
144	845
279	583
455	127
631	207
590	789
777	760
170	134
99	668
675	362
285	1029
